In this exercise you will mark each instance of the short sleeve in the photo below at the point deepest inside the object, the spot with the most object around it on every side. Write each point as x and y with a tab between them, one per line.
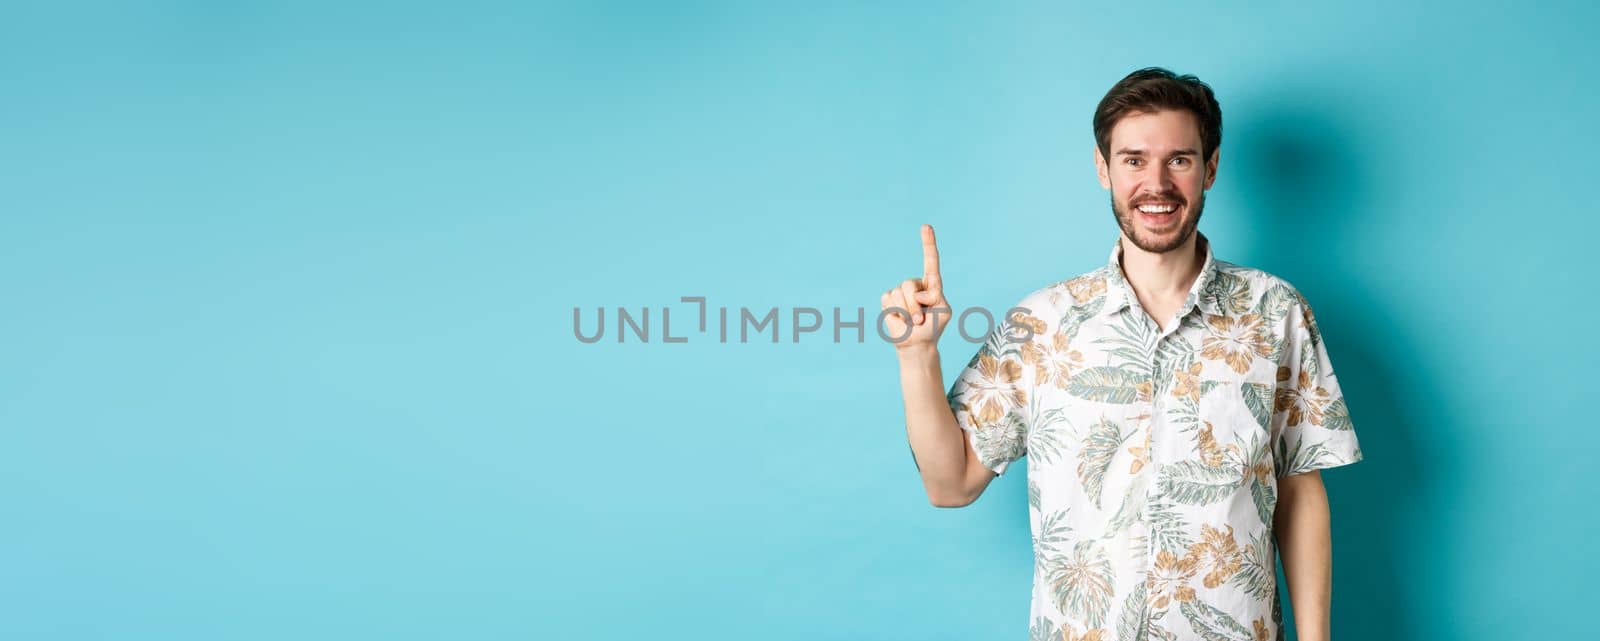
1314	430
990	400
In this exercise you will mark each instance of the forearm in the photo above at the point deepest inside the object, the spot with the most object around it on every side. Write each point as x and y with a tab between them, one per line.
937	444
1305	544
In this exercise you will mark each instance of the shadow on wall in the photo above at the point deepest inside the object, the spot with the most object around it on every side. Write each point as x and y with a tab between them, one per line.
1302	183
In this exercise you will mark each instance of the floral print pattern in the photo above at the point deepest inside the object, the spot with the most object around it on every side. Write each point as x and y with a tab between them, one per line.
1155	449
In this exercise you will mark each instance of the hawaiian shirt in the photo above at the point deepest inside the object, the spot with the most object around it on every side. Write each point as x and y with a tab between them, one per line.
1155	455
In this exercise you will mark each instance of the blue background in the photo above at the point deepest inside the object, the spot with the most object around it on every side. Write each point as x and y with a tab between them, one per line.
288	292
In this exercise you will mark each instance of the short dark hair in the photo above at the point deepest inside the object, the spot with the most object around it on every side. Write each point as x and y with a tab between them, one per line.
1152	89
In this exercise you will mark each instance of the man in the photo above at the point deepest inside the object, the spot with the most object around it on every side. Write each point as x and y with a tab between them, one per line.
1176	408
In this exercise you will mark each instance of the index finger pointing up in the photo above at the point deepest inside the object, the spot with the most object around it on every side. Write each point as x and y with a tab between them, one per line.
930	259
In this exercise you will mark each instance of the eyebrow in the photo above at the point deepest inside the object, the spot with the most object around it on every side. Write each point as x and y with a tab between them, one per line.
1186	151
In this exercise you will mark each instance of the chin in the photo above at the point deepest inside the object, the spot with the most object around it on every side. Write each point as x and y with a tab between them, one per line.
1160	241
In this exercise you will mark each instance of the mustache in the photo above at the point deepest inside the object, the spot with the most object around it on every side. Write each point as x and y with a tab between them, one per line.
1159	198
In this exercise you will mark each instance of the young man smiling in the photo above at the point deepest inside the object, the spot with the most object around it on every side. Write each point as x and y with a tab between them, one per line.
1176	408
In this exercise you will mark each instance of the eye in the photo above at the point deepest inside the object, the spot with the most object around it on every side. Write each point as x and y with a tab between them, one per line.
1132	161
1180	161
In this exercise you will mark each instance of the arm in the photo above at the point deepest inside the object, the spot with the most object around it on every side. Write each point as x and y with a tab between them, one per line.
1305	543
951	473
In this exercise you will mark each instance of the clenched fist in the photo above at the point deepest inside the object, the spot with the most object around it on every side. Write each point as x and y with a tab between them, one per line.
919	303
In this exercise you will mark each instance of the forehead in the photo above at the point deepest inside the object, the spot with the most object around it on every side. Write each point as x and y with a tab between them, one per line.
1156	131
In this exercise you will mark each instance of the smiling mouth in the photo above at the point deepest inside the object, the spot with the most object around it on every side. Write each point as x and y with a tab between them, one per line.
1160	213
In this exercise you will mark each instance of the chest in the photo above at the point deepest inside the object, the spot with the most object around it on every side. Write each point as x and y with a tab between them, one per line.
1120	393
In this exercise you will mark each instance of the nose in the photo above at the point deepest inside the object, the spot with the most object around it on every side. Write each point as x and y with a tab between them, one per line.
1160	185
1163	179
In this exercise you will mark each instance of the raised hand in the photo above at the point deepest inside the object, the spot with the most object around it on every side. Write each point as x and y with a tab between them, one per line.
920	301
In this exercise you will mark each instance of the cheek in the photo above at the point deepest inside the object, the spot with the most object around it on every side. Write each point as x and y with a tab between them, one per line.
1196	189
1122	185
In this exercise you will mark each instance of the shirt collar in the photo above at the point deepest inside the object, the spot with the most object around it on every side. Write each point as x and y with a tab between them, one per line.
1119	294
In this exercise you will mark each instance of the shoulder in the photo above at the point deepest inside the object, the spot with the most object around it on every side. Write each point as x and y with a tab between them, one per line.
1272	297
1061	297
1268	294
1077	292
1043	311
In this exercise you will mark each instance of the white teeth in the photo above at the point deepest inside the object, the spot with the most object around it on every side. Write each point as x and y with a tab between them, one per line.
1156	209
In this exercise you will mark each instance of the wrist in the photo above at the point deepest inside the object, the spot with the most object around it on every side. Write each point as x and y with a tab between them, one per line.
917	354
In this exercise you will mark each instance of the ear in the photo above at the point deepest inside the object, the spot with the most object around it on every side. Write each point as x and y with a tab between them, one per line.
1211	167
1102	170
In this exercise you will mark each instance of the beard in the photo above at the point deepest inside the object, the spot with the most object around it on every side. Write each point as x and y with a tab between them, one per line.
1186	228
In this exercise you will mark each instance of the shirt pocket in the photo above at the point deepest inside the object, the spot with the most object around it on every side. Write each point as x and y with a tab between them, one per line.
1233	430
1235	433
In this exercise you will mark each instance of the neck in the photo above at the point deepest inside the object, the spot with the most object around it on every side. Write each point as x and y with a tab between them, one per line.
1163	276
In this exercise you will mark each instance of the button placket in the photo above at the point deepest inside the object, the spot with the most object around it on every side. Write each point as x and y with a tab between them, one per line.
1153	412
